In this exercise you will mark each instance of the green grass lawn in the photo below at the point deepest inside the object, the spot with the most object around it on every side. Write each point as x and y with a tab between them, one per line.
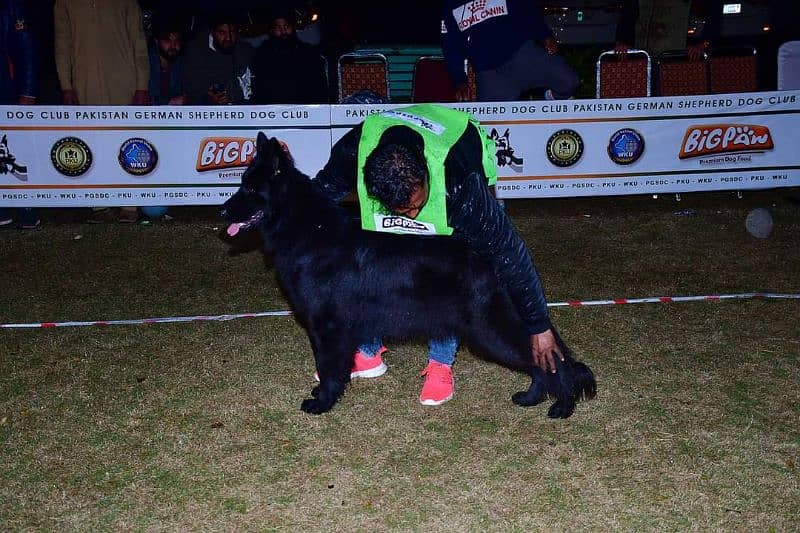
197	426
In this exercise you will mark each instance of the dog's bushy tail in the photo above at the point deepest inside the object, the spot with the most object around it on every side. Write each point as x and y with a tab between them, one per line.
585	384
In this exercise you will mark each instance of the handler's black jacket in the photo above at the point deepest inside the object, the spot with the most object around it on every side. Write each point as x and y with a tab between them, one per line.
472	212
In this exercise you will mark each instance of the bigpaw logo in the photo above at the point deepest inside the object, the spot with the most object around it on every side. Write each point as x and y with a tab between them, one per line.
223	153
714	139
400	224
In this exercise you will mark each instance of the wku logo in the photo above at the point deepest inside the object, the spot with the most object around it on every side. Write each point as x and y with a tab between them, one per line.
712	139
477	11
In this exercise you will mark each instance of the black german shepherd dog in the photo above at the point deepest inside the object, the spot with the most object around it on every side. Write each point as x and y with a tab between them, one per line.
347	286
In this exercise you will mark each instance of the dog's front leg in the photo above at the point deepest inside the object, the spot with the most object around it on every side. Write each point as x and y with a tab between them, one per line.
334	359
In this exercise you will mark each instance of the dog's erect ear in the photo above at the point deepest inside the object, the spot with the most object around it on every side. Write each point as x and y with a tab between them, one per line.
3	140
261	143
270	152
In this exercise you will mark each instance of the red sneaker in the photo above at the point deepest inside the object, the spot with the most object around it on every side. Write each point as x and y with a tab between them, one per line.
438	386
366	367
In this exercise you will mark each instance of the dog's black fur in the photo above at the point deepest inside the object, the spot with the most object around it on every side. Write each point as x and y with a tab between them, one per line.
347	286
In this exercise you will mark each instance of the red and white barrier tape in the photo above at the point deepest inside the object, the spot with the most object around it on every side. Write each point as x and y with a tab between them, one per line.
675	299
575	303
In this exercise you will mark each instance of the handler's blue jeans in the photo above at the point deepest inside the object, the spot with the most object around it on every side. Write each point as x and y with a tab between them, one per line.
441	350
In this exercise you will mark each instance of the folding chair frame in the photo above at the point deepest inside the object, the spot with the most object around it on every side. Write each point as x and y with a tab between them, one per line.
631	51
365	57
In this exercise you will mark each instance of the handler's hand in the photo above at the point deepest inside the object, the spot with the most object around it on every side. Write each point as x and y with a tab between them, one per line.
140	97
69	97
543	346
697	51
218	97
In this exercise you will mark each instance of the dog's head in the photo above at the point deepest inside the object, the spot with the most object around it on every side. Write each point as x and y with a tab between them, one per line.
251	203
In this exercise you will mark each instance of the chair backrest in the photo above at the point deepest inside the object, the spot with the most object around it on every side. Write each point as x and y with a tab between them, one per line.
678	76
363	71
472	82
733	70
789	66
431	82
623	76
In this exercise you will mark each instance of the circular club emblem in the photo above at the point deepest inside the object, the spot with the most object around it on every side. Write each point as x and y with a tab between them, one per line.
71	156
625	146
137	156
564	148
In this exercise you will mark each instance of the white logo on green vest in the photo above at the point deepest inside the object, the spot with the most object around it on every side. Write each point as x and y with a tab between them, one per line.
431	126
398	224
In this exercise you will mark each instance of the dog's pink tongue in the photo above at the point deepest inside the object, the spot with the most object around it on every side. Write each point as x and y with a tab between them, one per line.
233	229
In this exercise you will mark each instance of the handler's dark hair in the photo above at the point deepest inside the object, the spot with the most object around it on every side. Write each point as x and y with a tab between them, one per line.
392	172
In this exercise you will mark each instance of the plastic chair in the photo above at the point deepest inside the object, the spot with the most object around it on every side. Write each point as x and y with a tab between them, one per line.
733	70
678	76
627	77
789	66
363	71
472	82
431	81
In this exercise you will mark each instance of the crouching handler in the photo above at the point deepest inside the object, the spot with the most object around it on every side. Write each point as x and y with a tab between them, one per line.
427	170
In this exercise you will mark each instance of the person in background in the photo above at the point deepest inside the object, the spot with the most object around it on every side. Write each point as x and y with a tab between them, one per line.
658	26
166	73
216	68
18	85
287	70
101	57
784	15
510	47
41	15
101	52
166	63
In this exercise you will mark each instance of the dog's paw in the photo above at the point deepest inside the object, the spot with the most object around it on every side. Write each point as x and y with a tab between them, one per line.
315	392
313	406
528	398
561	409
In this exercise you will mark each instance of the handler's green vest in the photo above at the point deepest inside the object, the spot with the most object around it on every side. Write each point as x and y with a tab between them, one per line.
440	128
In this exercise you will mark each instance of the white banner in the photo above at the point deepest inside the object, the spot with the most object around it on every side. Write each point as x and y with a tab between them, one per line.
83	156
88	156
634	146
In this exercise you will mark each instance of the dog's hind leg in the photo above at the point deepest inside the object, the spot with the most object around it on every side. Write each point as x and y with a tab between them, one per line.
585	384
493	341
536	393
334	359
